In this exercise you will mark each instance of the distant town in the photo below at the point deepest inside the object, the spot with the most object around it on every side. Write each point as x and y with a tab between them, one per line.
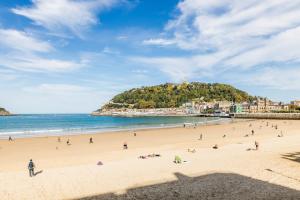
214	108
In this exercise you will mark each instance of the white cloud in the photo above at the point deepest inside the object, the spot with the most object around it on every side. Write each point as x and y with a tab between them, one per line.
272	78
108	50
23	52
60	15
178	69
22	41
122	37
230	35
34	63
57	89
159	42
7	75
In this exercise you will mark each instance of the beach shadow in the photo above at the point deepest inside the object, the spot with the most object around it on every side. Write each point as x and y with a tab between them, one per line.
292	156
216	186
281	174
38	172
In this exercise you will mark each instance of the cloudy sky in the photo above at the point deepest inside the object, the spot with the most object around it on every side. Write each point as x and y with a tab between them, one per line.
71	56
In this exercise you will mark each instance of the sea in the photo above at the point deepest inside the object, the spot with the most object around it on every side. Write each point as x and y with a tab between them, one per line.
36	125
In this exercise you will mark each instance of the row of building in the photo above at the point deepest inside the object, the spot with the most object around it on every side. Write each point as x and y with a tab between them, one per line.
259	105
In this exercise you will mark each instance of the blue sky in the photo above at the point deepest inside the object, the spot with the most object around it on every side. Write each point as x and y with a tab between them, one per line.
71	56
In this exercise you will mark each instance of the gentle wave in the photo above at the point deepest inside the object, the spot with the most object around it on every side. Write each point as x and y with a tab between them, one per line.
66	124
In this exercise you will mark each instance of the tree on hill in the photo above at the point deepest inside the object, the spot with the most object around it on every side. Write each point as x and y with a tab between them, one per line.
174	95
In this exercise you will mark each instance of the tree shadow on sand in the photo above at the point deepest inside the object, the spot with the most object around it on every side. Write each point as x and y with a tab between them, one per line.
292	156
217	186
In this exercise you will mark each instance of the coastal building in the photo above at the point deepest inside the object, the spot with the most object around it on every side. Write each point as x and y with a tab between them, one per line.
223	106
236	108
245	107
296	103
262	105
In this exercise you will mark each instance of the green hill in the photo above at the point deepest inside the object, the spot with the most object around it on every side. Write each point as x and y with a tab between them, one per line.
174	95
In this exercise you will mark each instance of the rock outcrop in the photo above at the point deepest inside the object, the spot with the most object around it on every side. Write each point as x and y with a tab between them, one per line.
4	112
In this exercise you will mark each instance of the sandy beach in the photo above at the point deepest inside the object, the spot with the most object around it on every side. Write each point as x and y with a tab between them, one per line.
233	171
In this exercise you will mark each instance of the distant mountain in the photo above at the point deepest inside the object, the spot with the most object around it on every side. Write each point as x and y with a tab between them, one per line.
171	95
4	112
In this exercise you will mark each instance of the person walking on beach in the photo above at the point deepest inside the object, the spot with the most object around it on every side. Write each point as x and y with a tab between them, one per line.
91	140
200	138
10	138
31	167
256	145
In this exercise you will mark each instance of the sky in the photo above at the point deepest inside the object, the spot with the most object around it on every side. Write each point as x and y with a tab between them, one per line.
72	56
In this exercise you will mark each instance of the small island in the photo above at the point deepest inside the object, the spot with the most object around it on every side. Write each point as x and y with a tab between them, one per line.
4	112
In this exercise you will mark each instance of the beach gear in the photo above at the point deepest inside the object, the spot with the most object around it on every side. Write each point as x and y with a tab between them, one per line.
99	163
177	160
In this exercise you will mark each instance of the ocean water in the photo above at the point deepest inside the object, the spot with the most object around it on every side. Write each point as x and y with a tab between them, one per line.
69	124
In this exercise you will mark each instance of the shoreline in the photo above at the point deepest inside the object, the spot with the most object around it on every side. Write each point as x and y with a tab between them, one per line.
76	165
4	136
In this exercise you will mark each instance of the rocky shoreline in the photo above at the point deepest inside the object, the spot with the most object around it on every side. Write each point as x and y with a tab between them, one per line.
4	112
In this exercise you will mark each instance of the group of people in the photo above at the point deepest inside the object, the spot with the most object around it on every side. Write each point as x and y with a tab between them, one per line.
177	160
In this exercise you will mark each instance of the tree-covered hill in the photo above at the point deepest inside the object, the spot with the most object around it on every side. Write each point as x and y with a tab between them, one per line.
174	95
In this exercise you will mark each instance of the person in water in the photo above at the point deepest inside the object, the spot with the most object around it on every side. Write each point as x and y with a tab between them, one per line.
31	167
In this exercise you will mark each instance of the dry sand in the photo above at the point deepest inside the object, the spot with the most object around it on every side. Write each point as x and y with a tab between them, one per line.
230	172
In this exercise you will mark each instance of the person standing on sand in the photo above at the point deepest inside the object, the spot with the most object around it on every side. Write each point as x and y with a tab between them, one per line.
200	138
10	138
256	145
31	167
125	146
91	140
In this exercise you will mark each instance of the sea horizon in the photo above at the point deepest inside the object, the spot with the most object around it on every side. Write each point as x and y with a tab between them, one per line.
41	125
